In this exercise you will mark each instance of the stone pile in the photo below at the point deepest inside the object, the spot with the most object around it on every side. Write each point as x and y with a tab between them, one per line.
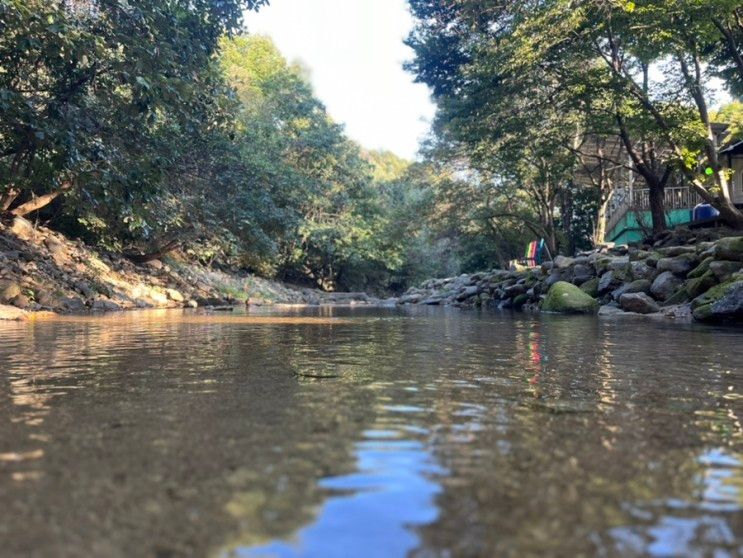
699	279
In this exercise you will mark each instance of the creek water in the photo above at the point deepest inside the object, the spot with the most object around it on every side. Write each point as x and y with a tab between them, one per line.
369	432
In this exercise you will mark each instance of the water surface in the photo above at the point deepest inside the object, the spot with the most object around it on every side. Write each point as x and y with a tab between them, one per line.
369	432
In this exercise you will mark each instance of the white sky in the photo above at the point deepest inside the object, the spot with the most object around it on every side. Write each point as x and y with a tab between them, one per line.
354	51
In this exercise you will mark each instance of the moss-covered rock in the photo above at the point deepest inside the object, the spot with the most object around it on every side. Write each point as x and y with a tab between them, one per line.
520	300
566	298
730	248
591	287
701	269
680	296
721	303
653	258
698	285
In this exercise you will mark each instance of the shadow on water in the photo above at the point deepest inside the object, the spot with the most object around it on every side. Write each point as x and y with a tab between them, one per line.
369	432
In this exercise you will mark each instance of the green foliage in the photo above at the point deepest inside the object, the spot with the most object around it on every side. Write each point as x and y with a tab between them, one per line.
731	114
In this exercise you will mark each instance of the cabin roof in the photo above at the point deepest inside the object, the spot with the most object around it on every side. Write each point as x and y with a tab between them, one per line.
734	149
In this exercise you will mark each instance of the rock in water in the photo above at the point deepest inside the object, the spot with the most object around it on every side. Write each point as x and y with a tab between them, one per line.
720	303
638	302
566	298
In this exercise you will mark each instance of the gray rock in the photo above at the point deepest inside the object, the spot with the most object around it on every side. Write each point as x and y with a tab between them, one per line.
680	265
610	310
515	290
665	285
724	269
673	251
414	298
639	303
641	270
582	273
103	305
638	286
83	288
562	262
553	278
72	304
468	292
608	282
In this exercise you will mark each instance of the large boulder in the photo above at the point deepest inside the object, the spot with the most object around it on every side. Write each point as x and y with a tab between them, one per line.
665	285
566	298
721	303
638	302
730	248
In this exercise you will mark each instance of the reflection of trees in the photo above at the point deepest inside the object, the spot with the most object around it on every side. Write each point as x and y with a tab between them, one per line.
612	429
165	437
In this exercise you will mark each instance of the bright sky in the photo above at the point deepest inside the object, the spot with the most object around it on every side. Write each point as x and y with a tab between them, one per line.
354	51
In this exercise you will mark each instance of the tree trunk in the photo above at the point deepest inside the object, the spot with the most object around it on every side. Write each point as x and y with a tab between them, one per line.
599	234
37	203
657	208
732	216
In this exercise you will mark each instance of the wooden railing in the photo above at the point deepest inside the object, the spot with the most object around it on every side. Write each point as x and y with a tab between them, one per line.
677	197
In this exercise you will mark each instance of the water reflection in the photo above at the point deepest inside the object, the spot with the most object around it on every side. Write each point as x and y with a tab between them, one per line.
341	432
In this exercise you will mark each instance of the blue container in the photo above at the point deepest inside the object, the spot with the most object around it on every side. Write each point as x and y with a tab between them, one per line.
704	211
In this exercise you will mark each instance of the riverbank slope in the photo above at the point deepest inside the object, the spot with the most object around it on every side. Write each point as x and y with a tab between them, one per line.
42	271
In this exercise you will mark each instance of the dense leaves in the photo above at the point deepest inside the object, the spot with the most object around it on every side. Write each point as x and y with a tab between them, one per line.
535	94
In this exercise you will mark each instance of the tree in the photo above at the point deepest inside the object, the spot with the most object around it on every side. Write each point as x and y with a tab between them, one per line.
90	90
501	64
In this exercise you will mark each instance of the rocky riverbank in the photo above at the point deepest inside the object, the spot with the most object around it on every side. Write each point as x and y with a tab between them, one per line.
42	271
685	275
